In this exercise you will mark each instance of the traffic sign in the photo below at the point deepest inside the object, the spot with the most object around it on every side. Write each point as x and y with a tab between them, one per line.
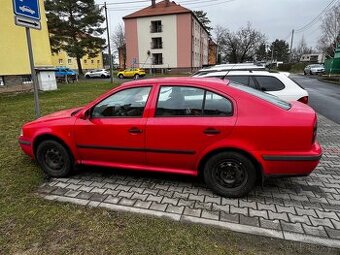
27	8
24	22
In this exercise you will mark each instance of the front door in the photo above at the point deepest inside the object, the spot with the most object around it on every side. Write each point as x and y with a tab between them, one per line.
187	120
114	134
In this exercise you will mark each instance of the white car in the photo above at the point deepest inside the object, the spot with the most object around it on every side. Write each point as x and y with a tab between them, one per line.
26	9
314	69
98	73
274	83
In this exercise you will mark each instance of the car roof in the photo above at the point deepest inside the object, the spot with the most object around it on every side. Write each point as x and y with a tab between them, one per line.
239	72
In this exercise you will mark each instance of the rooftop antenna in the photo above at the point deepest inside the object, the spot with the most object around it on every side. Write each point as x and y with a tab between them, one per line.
229	71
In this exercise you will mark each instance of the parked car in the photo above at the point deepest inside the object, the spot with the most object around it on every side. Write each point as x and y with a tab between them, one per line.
229	67
26	9
231	135
131	73
98	73
274	83
65	73
314	69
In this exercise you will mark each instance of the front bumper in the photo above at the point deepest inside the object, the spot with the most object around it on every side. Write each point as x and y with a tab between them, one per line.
26	146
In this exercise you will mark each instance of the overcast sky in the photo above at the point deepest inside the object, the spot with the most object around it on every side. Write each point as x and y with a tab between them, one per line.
274	18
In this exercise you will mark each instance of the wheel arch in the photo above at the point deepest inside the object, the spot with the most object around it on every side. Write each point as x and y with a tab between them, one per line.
257	164
43	137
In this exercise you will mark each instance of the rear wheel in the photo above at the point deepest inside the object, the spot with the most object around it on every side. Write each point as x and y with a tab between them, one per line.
103	76
54	158
230	174
121	76
87	76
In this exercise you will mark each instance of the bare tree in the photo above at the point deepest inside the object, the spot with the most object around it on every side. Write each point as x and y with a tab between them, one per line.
239	46
118	41
301	48
330	31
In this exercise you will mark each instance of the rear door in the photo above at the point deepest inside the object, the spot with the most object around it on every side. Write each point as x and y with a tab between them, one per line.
186	120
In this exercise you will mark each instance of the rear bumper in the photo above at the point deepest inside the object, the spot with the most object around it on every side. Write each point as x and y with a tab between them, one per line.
292	164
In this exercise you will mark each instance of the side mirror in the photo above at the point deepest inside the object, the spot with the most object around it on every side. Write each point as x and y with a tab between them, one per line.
84	115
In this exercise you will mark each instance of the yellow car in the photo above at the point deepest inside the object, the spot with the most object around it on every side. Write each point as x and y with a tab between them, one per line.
131	73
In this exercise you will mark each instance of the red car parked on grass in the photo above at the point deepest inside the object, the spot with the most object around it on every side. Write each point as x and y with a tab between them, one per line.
232	135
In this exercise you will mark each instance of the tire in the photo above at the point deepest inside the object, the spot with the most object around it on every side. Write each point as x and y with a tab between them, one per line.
87	76
310	72
103	76
230	174
54	159
121	76
304	72
136	77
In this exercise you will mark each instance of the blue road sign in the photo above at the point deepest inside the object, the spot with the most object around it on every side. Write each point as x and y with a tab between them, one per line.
27	8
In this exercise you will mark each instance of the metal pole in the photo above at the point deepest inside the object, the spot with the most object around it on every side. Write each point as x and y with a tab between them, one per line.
33	74
291	46
108	41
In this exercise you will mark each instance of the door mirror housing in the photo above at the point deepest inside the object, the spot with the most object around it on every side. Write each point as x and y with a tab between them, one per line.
84	114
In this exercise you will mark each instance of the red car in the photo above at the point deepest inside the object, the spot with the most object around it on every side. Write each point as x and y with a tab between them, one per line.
232	135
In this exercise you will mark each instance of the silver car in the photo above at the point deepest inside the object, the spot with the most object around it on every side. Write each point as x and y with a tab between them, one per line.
98	73
314	69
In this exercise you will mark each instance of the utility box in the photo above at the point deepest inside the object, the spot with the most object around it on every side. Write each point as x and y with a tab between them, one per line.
46	78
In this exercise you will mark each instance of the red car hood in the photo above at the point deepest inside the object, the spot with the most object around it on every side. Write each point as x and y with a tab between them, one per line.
59	115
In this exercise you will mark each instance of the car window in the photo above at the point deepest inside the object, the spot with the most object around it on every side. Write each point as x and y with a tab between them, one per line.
125	103
244	79
190	101
268	83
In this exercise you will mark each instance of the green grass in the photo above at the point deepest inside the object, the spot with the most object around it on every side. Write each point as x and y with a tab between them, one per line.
31	225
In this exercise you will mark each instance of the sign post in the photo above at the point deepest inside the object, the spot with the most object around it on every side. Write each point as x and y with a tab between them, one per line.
27	14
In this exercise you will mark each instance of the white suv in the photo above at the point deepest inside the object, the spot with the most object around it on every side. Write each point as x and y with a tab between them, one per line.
277	84
98	73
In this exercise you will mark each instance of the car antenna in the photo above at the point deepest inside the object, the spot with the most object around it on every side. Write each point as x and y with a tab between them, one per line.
229	71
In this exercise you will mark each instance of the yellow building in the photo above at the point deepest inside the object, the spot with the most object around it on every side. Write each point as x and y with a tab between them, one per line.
62	59
14	64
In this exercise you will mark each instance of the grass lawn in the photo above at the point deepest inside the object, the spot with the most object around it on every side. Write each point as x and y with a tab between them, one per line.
31	225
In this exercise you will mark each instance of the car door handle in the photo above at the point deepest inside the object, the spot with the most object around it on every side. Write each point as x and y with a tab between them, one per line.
135	130
211	131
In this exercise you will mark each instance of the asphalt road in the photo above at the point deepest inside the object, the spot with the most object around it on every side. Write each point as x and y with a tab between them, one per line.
324	97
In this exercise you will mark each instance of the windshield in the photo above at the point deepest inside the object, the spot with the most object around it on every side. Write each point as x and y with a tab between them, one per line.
267	97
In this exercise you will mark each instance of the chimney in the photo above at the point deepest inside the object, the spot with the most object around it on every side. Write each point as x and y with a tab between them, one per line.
153	3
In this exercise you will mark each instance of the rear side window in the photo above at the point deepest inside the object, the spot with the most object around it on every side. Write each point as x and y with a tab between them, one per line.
267	97
268	83
240	79
190	101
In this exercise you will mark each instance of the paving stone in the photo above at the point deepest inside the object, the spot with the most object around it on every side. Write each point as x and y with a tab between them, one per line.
72	193
165	193
229	201
46	189
180	195
215	200
175	189
213	215
196	197
190	190
98	190
321	222
150	192
111	192
173	201
59	191
292	227
175	209
138	196
143	204
336	223
200	205
123	188
161	186
84	195
281	209
74	181
158	207
299	218
243	203
277	216
310	212
192	212
223	208
238	210
270	224
314	231
270	207
154	198
125	194
62	184
85	188
136	190
234	218
110	186
98	197
258	213
112	200
186	203
333	233
127	202
250	221
74	186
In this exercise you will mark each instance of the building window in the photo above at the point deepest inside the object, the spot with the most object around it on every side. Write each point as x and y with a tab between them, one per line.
92	61
85	61
98	61
156	26
157	59
60	61
157	43
69	61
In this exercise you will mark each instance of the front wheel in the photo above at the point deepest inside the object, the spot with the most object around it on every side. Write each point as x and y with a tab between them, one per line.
121	76
54	158
87	76
230	174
